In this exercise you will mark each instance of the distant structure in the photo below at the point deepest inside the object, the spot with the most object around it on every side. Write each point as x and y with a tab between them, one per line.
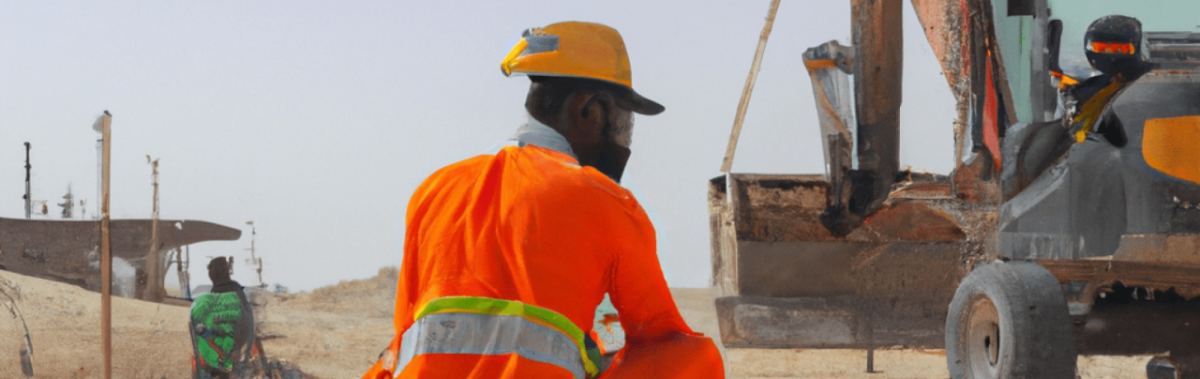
68	251
121	257
68	204
255	260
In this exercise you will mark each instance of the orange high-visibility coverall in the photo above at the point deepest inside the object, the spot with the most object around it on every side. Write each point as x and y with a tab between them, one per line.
529	224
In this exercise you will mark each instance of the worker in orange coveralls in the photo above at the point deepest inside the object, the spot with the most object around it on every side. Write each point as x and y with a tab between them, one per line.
507	255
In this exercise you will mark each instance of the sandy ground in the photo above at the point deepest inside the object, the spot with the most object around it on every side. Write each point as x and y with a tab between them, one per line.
148	340
338	332
331	332
895	363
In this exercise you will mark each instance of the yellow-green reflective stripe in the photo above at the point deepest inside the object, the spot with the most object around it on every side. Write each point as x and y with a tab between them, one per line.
476	334
490	306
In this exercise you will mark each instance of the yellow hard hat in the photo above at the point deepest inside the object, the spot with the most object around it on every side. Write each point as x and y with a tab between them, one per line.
576	49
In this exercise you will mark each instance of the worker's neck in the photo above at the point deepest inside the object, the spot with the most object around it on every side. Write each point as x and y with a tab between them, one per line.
225	283
541	135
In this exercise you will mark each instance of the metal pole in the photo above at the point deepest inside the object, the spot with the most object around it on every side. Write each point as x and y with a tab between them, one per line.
744	103
258	261
154	278
255	260
871	361
106	248
187	265
28	196
878	69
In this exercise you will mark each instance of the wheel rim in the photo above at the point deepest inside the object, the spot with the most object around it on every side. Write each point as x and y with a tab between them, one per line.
982	343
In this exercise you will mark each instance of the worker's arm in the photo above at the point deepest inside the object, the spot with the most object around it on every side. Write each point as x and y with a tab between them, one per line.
678	357
638	289
659	344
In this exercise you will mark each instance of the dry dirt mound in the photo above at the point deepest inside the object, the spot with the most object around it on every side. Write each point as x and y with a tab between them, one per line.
372	297
332	332
149	340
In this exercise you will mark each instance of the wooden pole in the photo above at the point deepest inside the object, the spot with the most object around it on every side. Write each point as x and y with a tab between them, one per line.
154	275
106	249
727	164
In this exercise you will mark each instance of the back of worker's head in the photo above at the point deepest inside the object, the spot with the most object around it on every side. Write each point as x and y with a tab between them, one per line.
561	101
592	115
218	270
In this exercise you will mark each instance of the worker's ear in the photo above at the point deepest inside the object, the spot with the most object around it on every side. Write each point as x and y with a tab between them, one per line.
588	116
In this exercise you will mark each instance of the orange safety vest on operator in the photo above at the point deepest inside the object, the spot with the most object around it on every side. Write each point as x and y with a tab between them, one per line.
530	225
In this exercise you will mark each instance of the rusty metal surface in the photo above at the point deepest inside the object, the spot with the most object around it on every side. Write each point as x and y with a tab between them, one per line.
944	23
782	280
723	238
1135	274
795	294
910	270
962	35
878	67
897	219
780	208
1160	248
878	63
782	283
843	322
773	208
68	251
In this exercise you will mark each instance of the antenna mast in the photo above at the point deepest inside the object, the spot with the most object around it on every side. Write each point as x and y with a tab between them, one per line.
28	198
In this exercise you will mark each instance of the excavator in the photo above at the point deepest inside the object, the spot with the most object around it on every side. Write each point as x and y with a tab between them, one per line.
1069	225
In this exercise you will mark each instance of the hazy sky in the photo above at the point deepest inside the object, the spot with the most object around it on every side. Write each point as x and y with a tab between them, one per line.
316	120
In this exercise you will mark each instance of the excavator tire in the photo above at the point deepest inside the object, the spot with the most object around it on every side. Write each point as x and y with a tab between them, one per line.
1009	320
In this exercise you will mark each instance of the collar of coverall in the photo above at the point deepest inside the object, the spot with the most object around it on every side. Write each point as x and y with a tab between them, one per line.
536	133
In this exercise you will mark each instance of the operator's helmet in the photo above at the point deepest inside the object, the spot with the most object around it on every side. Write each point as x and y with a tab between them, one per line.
1114	44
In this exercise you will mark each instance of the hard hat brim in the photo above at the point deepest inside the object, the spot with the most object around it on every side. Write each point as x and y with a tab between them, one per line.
640	104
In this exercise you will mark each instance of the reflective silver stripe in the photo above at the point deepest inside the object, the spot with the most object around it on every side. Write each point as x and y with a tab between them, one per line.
538	43
477	334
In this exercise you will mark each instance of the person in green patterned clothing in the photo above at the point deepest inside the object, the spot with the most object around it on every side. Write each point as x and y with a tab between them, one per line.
222	327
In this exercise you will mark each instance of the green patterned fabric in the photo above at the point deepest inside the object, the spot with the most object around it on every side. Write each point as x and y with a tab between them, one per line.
215	318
